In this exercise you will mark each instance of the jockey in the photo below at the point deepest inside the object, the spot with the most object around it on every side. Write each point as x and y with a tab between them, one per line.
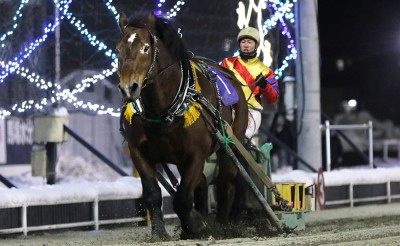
260	79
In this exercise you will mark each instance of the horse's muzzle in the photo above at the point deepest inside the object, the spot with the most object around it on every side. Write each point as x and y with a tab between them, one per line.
129	93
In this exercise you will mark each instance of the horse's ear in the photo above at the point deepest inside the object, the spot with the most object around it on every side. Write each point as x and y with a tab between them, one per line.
151	21
123	21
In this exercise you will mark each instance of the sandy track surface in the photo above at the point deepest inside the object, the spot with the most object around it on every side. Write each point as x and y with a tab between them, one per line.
363	225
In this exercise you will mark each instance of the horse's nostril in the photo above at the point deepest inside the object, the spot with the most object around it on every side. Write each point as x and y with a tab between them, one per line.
134	87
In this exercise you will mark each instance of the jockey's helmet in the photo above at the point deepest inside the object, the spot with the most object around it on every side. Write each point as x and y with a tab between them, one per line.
249	32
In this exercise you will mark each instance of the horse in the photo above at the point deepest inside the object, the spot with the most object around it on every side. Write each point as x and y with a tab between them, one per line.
172	92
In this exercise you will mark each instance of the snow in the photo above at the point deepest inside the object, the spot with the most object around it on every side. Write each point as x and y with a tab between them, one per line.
79	179
59	111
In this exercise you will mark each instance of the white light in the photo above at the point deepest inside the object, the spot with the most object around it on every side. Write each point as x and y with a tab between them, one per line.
352	103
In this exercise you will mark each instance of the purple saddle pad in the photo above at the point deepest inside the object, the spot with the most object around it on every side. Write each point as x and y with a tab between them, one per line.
228	94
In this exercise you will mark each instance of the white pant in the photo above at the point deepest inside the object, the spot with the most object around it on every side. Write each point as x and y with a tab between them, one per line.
253	122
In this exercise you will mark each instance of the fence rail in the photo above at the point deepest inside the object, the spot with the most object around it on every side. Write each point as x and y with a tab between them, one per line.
95	222
388	197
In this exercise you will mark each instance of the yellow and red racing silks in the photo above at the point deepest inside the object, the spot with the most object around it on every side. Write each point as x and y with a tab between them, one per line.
246	71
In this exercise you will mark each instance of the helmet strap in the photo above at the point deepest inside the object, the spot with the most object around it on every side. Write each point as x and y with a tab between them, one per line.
247	55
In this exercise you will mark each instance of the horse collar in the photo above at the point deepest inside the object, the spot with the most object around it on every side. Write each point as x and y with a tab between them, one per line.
177	105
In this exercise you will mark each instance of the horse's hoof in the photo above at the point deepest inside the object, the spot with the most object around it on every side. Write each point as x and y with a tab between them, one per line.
195	224
160	234
156	237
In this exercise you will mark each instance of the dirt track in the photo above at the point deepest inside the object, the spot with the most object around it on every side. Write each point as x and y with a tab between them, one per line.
364	225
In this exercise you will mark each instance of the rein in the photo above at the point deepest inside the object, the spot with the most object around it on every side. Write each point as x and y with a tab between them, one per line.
176	107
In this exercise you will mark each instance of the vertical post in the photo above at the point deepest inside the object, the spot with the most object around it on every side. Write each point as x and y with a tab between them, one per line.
24	218
57	62
51	152
308	84
96	214
328	145
370	141
351	194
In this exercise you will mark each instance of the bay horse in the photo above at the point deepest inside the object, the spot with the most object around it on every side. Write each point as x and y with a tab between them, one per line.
159	74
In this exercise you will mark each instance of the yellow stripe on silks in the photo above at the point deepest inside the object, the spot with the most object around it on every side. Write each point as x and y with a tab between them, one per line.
129	112
193	114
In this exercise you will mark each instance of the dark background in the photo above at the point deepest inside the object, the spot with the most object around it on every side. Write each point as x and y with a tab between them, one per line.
366	36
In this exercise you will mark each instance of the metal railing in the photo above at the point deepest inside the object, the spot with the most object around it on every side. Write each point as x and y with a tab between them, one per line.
328	128
388	197
96	222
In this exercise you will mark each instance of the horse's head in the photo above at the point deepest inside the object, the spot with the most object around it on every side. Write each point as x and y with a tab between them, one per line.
136	56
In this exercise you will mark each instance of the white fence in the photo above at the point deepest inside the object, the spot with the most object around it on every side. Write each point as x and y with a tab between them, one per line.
328	128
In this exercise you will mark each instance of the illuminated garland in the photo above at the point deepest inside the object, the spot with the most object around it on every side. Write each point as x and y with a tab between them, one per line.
16	17
10	67
112	8
282	13
174	10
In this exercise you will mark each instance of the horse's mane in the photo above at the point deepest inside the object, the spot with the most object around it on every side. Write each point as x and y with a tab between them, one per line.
167	32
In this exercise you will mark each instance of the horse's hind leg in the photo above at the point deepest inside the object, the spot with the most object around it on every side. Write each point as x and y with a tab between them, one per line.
201	197
191	220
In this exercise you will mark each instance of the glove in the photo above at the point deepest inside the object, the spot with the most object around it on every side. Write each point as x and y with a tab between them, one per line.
261	81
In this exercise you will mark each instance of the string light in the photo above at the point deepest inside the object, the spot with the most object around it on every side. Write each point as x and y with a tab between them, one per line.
112	8
10	67
16	17
281	11
65	95
174	10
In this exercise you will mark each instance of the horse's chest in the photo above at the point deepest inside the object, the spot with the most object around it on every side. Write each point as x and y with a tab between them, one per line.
160	147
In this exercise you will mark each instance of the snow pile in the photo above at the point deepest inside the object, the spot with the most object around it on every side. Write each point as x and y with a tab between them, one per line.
125	187
295	176
70	169
78	180
361	176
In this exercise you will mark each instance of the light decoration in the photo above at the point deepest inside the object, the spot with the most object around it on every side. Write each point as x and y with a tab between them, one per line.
65	95
80	87
16	17
85	32
112	8
174	10
10	66
281	11
158	12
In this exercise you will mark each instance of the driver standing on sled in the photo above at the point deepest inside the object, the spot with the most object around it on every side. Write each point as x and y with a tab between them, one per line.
260	79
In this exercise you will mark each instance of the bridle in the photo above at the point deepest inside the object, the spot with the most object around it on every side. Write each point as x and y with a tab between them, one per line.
175	108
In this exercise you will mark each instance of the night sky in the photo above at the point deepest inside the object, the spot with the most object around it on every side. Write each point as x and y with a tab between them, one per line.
365	36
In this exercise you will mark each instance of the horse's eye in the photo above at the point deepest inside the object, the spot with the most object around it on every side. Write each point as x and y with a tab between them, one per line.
145	49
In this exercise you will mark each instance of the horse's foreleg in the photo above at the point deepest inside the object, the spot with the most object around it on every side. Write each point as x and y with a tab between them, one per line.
191	220
153	200
225	186
151	194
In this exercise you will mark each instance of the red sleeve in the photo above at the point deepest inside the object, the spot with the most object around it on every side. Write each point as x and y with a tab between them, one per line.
224	64
271	92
